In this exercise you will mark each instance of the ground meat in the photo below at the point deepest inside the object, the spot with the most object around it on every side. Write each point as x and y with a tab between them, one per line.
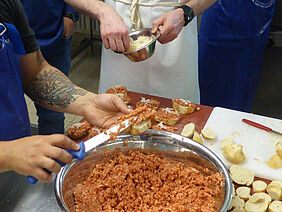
79	130
149	103
167	114
185	103
149	181
121	91
95	131
164	127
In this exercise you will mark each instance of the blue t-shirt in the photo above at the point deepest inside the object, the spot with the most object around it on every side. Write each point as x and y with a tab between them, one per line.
46	19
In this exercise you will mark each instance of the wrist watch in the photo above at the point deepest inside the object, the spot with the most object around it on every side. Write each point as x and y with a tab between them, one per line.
188	14
73	16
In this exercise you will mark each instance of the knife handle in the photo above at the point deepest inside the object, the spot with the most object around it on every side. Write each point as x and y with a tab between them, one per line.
254	124
80	154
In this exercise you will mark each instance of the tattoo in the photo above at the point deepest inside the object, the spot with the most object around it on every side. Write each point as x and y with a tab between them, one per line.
56	89
39	57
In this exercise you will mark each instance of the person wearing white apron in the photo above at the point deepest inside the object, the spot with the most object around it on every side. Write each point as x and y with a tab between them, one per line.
171	72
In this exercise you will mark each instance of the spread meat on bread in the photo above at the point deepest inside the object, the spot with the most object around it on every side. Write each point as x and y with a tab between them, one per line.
150	103
183	106
167	115
121	91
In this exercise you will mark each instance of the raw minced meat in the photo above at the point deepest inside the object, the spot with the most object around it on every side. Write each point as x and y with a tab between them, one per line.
149	181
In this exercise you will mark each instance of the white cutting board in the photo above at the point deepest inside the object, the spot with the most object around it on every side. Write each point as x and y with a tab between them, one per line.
258	145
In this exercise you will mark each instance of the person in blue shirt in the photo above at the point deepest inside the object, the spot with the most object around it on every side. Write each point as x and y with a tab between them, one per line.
232	40
53	23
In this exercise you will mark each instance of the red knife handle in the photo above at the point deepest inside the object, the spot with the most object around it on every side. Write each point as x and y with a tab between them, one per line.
257	125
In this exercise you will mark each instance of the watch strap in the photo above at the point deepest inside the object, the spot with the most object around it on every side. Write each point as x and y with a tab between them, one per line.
188	14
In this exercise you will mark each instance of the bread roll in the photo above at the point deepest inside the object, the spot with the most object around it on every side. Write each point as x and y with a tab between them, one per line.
226	141
242	176
243	192
258	202
208	133
259	186
278	148
188	130
197	137
183	106
234	153
141	127
237	204
275	162
275	206
274	190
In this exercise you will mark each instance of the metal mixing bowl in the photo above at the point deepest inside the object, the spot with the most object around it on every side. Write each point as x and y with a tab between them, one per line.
146	51
169	143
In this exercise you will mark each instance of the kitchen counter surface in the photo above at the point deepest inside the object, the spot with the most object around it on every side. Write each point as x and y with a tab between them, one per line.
16	195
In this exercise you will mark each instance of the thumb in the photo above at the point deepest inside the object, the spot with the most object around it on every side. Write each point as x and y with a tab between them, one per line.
157	23
119	103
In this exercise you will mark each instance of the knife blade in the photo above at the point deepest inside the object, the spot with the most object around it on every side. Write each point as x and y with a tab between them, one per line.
103	137
260	126
92	143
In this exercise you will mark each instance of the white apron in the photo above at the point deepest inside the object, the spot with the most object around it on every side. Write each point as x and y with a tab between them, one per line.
171	72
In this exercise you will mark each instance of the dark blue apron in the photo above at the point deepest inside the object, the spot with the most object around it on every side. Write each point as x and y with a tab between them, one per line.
14	120
233	36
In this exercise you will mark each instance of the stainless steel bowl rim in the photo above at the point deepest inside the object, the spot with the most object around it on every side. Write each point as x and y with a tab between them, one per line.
148	44
182	141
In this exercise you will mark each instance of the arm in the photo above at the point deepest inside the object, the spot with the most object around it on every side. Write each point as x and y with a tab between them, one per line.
70	17
113	30
172	22
50	88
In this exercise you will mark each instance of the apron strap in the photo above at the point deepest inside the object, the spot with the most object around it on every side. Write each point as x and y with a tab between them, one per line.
134	14
15	38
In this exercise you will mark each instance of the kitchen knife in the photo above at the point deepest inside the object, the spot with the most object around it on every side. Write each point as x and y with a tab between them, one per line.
260	126
93	143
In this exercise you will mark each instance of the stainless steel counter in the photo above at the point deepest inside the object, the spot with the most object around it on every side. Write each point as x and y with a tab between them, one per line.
16	195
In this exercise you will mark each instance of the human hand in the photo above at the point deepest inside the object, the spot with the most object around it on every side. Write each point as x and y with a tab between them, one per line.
102	110
31	155
113	30
69	26
172	22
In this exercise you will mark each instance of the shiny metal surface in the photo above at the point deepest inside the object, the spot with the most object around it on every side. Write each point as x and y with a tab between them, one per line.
78	171
145	52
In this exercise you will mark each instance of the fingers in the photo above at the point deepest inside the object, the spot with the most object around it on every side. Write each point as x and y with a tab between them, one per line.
50	164
59	154
126	41
41	175
63	141
157	23
120	105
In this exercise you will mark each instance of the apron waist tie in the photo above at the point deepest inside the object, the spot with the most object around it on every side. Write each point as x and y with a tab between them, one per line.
134	14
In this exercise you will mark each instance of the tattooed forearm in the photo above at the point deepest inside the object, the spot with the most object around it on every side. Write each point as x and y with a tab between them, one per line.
39	57
54	88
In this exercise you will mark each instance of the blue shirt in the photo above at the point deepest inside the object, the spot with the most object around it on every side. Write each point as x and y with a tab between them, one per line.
46	19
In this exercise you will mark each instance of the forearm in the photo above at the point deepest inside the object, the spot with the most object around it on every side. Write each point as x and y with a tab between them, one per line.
200	6
53	90
91	8
4	156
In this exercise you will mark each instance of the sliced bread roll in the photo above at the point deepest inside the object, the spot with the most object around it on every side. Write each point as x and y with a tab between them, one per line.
188	130
244	192
278	148
274	190
237	204
183	106
197	137
167	116
258	202
234	153
275	206
242	176
259	186
275	162
208	133
226	141
141	127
